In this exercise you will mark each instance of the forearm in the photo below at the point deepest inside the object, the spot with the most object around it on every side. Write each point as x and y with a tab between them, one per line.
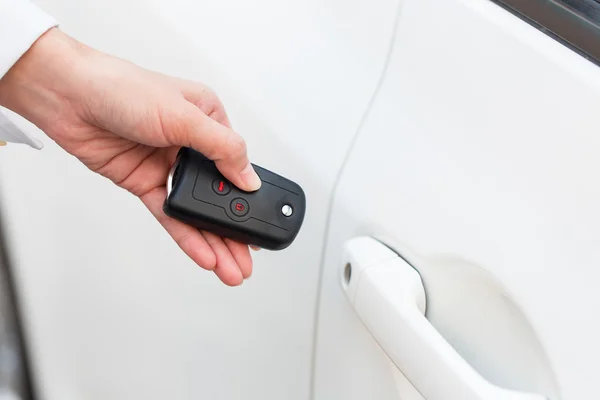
33	86
21	24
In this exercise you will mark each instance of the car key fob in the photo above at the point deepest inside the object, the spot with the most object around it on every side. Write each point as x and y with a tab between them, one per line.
198	195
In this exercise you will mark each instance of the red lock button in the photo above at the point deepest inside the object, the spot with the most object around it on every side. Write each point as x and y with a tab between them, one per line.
239	207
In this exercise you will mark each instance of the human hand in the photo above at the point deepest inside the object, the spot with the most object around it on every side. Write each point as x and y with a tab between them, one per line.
127	124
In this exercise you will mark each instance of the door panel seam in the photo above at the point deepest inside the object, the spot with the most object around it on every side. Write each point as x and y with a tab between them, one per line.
338	176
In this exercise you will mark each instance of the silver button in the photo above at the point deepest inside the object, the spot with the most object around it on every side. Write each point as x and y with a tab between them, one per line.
287	210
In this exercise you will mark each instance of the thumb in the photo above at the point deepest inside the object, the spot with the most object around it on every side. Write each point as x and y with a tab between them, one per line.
219	143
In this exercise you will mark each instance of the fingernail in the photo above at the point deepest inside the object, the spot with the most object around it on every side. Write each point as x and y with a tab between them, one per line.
250	177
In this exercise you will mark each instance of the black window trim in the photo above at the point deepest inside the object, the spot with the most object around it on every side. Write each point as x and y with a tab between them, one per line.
574	23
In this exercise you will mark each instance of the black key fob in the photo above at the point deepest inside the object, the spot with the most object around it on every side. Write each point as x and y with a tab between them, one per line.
198	195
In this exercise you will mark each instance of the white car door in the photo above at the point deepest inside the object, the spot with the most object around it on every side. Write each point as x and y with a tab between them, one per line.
111	308
464	243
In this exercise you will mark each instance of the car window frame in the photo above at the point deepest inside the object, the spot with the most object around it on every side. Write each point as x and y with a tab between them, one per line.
574	23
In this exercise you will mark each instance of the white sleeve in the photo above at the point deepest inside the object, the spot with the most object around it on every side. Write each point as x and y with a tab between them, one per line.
21	24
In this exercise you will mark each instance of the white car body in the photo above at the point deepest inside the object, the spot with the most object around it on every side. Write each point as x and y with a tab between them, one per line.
452	131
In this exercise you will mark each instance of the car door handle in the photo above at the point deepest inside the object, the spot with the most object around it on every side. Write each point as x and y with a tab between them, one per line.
388	296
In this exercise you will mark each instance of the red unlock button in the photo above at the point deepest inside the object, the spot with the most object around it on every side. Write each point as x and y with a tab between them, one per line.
239	207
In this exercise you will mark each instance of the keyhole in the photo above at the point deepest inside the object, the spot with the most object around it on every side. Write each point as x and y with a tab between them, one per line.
347	275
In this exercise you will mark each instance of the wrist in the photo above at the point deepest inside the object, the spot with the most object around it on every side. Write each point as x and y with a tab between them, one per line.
39	85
